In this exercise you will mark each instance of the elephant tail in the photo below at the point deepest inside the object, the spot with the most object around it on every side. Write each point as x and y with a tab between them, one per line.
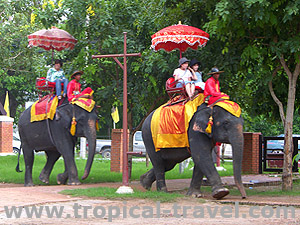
18	165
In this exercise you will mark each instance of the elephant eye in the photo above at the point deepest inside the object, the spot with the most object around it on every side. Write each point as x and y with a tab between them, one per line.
226	123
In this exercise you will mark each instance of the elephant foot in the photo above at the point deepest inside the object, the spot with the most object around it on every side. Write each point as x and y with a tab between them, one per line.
74	182
44	179
194	193
162	189
220	193
28	185
145	182
61	179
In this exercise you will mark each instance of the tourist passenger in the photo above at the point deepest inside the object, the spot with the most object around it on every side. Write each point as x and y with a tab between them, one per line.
195	64
57	75
184	74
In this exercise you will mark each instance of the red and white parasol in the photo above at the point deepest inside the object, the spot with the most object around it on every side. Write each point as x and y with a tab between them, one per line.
179	37
53	38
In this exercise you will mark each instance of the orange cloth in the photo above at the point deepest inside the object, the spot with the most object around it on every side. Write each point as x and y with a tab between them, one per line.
170	123
38	109
85	103
231	107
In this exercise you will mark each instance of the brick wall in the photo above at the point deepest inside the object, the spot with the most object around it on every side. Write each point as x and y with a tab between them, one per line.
6	134
116	162
251	153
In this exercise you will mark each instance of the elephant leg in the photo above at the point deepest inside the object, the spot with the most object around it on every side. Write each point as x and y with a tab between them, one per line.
62	178
71	168
147	179
28	158
52	157
196	182
160	170
206	165
203	160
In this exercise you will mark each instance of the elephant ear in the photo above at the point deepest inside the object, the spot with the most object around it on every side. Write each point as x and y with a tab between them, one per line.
202	121
64	117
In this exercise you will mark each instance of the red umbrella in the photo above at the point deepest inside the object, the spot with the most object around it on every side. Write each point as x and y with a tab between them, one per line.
179	37
53	38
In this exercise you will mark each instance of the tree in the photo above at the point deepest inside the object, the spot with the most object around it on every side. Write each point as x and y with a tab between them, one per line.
266	33
19	65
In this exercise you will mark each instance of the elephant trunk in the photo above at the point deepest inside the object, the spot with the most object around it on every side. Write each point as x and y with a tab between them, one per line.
237	151
90	134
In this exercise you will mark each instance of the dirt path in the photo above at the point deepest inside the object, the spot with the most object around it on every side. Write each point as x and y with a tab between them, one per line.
101	211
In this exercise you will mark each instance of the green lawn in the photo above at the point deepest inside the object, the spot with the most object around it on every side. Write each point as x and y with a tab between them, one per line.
100	171
110	193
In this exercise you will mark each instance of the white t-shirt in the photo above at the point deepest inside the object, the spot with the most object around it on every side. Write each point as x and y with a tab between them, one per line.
183	74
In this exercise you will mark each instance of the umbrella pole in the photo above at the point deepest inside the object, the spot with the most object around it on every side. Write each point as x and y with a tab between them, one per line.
180	54
52	56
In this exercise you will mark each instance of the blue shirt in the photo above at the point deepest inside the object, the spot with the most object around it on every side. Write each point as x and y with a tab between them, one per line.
53	74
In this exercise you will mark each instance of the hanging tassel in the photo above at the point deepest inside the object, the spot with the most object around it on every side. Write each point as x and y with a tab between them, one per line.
73	126
209	125
97	125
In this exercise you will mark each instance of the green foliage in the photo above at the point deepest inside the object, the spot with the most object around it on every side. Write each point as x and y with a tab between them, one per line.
246	38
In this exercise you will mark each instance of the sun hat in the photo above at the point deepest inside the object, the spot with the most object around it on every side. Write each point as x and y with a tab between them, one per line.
194	61
76	72
182	61
214	70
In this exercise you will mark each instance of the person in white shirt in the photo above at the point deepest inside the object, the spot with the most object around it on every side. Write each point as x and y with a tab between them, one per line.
184	75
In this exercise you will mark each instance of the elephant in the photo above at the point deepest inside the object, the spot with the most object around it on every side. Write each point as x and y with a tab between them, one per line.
226	128
54	137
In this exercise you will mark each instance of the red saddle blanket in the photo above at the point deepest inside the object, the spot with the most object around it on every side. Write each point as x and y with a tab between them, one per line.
44	108
170	123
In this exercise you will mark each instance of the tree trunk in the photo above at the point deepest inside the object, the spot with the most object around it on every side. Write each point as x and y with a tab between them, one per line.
287	179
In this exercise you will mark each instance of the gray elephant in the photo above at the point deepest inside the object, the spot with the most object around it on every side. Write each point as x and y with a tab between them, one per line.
54	137
226	128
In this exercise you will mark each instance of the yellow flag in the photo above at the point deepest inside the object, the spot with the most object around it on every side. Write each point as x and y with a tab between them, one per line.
115	114
6	104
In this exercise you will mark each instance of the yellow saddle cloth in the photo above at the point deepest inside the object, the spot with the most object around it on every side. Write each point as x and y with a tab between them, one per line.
231	107
85	103
170	123
44	109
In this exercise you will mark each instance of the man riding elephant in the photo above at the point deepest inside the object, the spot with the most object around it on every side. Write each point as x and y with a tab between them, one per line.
74	88
212	87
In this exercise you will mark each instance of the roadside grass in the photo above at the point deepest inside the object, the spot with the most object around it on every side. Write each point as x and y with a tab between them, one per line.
100	171
269	190
110	193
